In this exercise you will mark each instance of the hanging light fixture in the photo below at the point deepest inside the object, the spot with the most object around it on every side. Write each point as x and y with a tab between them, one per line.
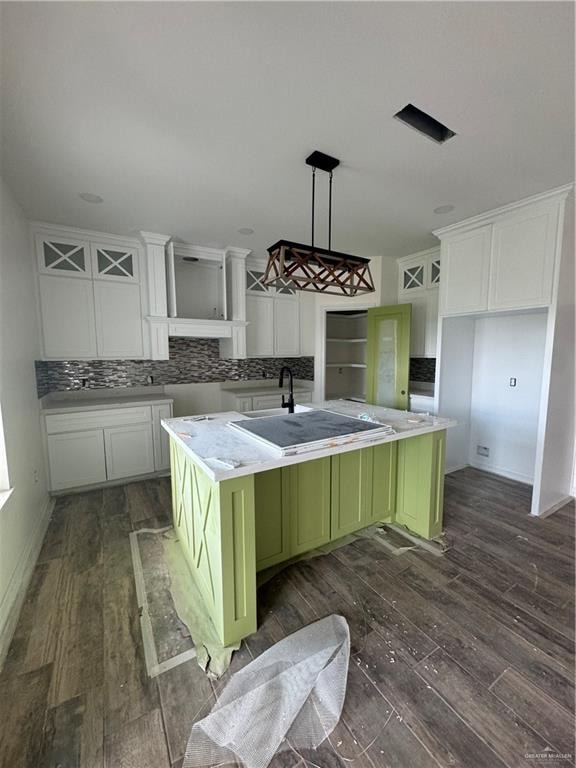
310	268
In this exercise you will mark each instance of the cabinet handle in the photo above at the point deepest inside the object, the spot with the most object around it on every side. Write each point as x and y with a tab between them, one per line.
402	391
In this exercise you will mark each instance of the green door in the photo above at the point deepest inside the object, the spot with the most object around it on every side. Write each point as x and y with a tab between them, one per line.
306	501
388	356
351	501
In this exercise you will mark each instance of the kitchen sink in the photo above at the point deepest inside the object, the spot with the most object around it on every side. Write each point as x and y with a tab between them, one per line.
277	411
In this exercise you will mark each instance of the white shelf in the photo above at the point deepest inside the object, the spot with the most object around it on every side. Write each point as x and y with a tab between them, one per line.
348	341
345	365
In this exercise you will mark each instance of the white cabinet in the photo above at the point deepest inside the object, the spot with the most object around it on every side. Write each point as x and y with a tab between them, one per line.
273	316
76	458
465	272
501	260
118	319
68	323
129	451
161	439
92	446
523	260
236	400
260	330
90	295
418	281
286	327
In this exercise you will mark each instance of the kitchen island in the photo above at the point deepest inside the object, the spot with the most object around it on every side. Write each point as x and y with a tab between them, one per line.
239	507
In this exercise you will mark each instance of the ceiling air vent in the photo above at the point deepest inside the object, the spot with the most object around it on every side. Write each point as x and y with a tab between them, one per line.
424	123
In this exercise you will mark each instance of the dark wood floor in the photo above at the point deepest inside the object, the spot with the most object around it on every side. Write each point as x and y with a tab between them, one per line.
464	660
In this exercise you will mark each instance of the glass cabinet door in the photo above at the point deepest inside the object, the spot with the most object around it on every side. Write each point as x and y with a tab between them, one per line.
388	356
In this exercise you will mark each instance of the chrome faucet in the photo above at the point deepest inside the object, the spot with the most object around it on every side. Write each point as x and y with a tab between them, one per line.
290	402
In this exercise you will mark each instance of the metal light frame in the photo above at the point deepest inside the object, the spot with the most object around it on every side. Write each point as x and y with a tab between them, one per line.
318	270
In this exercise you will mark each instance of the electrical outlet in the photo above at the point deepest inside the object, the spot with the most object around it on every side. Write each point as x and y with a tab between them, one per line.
482	450
513	381
36	476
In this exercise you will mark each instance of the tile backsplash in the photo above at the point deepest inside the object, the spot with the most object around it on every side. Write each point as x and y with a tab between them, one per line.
192	361
423	369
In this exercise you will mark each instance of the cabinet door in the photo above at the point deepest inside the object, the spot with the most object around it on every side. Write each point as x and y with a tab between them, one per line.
66	256
76	458
306	499
113	262
129	451
383	500
286	327
523	261
118	319
465	272
161	438
67	317
260	329
420	483
431	333
263	402
272	520
351	502
418	324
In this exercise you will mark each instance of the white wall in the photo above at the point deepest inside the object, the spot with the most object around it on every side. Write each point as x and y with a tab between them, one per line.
504	418
556	482
454	385
24	516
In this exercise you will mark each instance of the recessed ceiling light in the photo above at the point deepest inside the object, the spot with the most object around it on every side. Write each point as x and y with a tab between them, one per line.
444	209
89	197
246	231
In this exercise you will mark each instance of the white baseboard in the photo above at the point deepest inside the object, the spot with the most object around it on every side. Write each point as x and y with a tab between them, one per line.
14	595
503	472
449	470
555	507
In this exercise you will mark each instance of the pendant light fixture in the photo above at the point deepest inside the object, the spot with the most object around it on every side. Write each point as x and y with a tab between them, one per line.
310	268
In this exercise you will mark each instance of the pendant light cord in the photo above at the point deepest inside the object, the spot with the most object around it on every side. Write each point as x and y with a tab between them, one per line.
313	201
330	213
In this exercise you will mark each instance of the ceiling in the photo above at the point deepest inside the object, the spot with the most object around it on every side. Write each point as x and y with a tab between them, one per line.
194	119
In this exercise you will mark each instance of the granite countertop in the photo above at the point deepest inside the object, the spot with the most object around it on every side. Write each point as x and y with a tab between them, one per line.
64	405
224	453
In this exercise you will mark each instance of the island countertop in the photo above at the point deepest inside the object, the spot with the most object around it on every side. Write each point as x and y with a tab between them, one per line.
224	453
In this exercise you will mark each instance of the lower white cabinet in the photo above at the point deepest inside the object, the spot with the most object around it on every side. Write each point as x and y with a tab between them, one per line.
94	446
236	400
76	458
129	451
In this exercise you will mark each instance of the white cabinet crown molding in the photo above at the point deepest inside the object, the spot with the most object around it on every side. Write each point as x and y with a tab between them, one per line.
556	195
46	228
154	238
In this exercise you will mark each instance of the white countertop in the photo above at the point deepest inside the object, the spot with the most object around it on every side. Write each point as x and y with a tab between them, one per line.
215	447
62	405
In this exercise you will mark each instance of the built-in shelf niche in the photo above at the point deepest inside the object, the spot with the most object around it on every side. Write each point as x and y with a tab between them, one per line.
346	338
196	279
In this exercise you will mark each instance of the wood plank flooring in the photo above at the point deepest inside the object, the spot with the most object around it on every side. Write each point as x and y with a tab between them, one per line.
464	661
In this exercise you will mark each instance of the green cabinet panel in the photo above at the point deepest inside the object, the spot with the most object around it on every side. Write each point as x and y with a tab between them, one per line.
383	506
306	500
420	483
351	500
272	521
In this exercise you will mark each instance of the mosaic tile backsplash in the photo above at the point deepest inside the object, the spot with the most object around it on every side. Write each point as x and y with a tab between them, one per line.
423	369
192	361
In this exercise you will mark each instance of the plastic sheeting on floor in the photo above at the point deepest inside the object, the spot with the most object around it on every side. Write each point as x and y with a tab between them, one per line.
289	698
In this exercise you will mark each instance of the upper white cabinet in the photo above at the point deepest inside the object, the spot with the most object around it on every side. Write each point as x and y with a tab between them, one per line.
502	260
522	265
465	272
90	295
418	281
273	315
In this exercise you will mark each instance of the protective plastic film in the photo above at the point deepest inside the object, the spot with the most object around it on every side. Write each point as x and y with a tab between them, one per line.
290	697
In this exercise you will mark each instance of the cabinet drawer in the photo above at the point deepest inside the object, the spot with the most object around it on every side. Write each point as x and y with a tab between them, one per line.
267	401
110	417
